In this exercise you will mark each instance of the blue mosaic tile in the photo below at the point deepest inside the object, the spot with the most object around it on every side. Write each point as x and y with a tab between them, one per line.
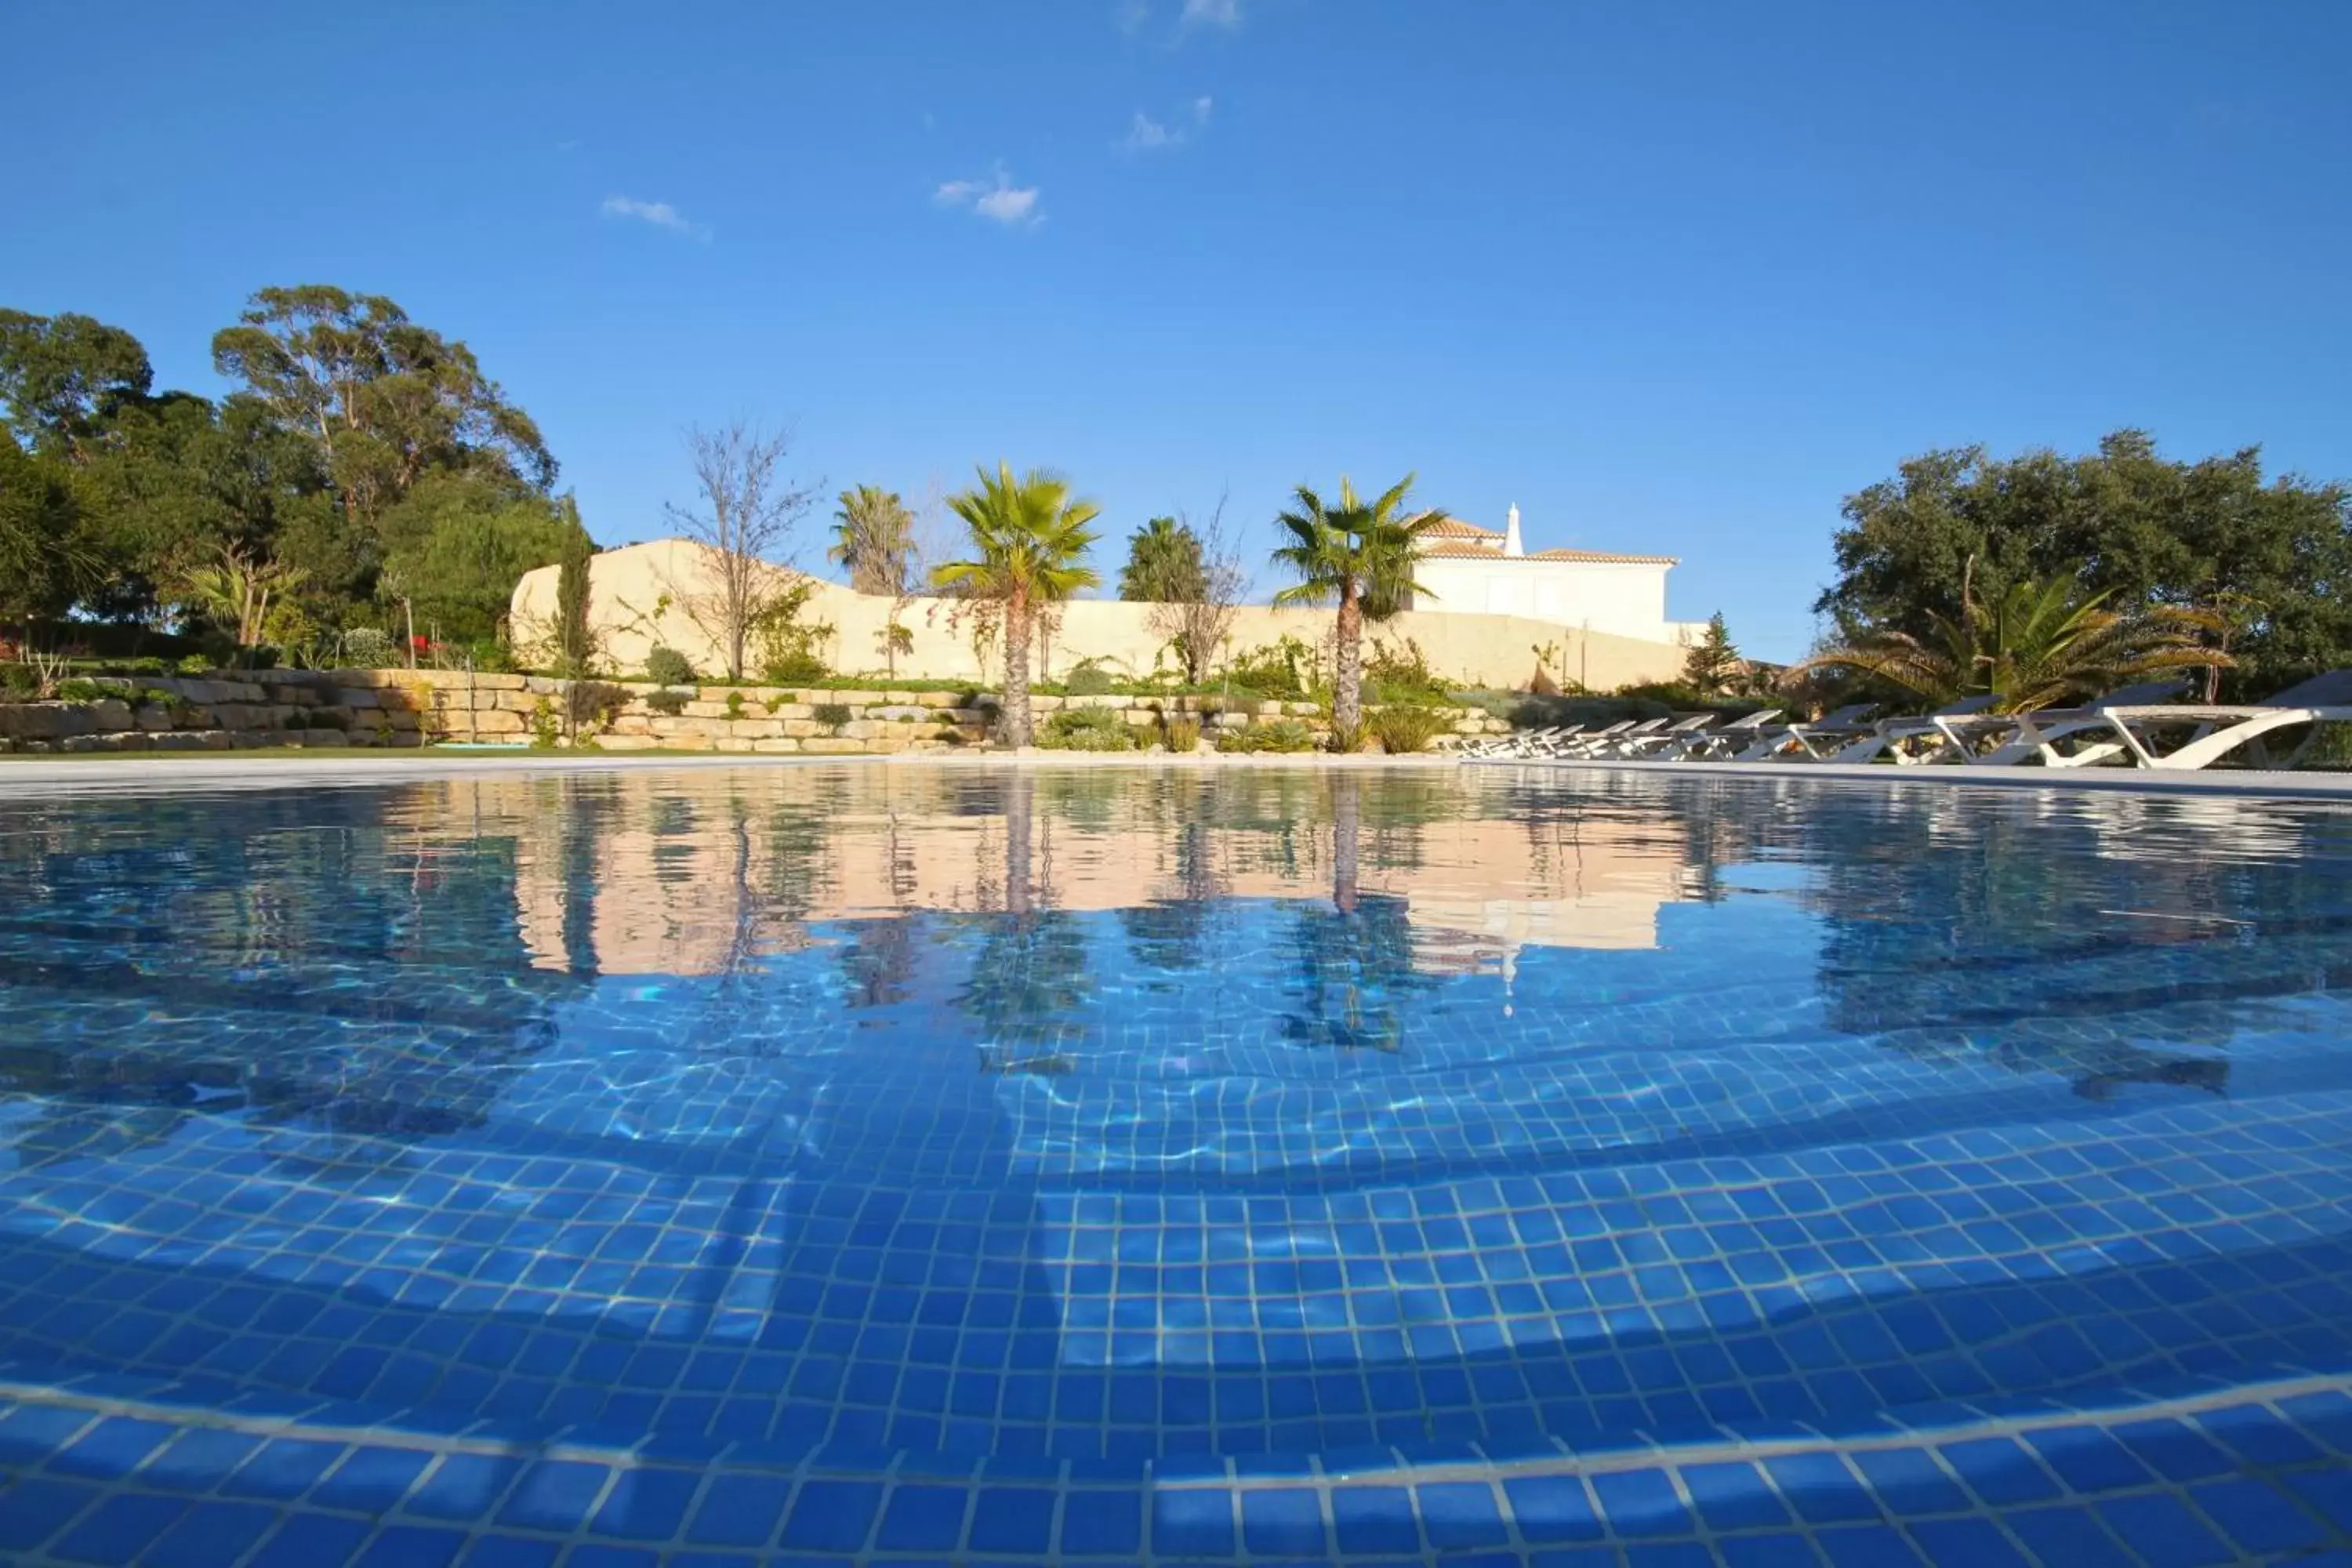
2256	1518
1294	1195
2068	1535
1965	1544
120	1529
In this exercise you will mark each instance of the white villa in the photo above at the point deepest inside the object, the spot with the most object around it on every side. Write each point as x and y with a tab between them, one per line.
1468	570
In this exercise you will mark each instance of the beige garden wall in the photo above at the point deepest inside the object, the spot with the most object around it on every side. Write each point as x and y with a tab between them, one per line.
640	597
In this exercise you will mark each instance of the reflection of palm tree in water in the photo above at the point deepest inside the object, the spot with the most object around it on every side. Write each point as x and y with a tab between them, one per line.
1355	958
1029	971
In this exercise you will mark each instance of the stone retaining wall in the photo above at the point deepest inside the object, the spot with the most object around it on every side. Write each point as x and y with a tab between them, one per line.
413	708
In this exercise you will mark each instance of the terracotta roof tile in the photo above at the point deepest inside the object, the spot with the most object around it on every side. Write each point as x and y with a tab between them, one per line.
1604	556
1455	528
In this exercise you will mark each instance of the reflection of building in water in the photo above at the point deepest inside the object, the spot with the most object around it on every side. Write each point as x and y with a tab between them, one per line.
691	873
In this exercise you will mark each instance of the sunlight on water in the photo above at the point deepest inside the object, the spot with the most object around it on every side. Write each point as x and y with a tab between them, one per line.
1110	1112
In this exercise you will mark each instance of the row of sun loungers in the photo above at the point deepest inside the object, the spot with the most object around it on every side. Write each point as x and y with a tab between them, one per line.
2136	726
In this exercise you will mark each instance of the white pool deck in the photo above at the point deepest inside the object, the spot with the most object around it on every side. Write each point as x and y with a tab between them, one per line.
30	778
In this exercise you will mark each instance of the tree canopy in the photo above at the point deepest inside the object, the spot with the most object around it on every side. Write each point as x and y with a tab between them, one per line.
364	461
2273	558
1165	564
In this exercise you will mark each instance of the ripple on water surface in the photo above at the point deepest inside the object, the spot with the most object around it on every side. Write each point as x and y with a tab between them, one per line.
1135	1115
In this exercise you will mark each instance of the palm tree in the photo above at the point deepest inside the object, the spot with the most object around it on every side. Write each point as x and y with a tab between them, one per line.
1361	554
236	591
2042	641
1164	565
874	536
1027	536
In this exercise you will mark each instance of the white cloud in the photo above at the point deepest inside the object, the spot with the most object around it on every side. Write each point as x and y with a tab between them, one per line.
1225	14
996	198
661	215
1148	134
1145	134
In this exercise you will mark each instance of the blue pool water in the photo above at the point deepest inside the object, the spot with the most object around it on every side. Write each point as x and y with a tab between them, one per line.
1130	1166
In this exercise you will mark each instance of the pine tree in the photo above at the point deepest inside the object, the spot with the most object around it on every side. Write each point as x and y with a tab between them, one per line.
1712	663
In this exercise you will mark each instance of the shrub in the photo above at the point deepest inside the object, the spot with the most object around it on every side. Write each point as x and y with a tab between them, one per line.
832	715
668	666
1183	734
1394	674
1347	740
1280	669
734	705
84	691
491	657
1402	730
1087	730
594	703
1088	678
365	647
19	680
667	700
545	728
786	650
795	667
297	719
196	664
1281	735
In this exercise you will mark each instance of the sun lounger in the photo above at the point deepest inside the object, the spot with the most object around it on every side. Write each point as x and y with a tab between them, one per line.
1518	743
1660	745
1615	740
2219	729
1579	744
1724	743
1810	739
1886	736
2035	737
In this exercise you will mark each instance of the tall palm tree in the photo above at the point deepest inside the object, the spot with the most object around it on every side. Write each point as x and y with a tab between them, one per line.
1027	535
1361	554
874	536
2040	641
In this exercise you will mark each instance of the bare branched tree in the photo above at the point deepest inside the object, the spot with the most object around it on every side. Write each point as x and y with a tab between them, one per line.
1197	627
745	524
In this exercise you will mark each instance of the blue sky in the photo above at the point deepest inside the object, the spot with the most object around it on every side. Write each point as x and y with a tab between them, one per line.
1671	279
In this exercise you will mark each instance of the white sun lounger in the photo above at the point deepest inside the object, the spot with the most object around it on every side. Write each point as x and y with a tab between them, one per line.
2219	729
1613	740
1659	745
1886	735
2034	737
1728	741
1806	738
1579	745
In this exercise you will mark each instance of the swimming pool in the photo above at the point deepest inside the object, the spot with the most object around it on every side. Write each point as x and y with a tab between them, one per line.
898	1165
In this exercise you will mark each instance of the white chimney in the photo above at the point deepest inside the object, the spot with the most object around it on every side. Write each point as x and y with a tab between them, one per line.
1511	545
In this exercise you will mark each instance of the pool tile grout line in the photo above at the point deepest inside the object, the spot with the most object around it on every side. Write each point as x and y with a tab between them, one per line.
1647	1453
